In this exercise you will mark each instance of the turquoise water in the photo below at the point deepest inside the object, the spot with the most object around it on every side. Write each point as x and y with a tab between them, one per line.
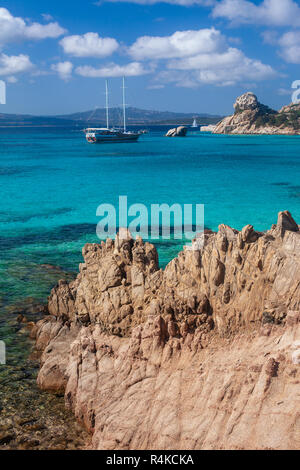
52	181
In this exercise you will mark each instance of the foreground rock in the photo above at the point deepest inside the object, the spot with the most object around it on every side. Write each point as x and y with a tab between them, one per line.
252	117
180	131
202	355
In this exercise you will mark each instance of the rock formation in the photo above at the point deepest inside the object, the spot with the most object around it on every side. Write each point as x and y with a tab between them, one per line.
202	355
177	132
209	128
252	117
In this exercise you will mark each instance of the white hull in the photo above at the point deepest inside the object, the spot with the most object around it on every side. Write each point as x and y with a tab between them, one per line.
104	135
111	137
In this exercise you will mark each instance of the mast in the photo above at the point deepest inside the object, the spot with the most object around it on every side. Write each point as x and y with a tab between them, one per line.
106	99
124	105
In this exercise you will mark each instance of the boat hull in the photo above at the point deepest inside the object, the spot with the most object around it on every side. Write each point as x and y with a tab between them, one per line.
117	138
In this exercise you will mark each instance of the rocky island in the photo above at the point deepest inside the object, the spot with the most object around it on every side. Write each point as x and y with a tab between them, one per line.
177	132
252	117
204	354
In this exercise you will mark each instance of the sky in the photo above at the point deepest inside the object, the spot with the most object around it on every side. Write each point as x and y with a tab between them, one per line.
178	55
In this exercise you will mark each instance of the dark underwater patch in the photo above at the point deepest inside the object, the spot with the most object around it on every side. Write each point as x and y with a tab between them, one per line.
65	233
19	170
294	191
8	217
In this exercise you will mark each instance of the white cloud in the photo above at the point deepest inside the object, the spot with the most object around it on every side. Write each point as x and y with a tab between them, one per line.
288	44
43	31
89	45
179	44
15	29
268	12
290	47
63	69
113	70
11	65
200	57
225	69
215	60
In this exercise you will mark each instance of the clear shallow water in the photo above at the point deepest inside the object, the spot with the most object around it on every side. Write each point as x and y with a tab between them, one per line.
52	181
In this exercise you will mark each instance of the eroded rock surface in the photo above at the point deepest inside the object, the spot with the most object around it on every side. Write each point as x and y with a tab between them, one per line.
252	117
204	354
177	132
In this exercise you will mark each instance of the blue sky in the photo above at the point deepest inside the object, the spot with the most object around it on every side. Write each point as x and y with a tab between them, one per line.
178	55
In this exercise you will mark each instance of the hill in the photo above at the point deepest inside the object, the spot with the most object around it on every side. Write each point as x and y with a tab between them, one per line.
97	117
136	116
26	120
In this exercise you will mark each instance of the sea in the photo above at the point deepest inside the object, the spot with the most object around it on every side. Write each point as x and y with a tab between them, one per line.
52	181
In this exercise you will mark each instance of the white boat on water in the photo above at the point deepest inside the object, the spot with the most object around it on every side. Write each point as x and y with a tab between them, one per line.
194	125
97	135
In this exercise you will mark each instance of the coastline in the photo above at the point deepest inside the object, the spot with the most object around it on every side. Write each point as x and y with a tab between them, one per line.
29	418
34	238
150	228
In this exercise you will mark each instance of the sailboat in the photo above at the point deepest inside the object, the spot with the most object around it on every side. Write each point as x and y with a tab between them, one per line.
97	135
194	123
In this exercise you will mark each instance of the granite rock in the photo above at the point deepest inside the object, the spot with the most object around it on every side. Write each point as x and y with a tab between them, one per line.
202	355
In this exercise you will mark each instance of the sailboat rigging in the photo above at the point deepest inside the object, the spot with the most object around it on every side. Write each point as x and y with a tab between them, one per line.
110	134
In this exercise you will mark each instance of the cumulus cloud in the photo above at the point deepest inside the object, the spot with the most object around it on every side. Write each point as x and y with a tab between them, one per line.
113	70
234	67
89	45
179	44
200	57
43	31
63	69
11	65
217	69
289	45
268	12
13	28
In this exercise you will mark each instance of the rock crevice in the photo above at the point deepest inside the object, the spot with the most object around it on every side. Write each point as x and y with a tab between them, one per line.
252	117
204	354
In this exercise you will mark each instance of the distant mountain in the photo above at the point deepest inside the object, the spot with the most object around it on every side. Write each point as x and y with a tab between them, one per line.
138	116
97	117
24	120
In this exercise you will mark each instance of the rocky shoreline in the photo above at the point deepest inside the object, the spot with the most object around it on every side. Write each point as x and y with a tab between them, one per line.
252	117
202	355
31	419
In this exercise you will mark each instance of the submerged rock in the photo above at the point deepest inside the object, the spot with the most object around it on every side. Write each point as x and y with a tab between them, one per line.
198	356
